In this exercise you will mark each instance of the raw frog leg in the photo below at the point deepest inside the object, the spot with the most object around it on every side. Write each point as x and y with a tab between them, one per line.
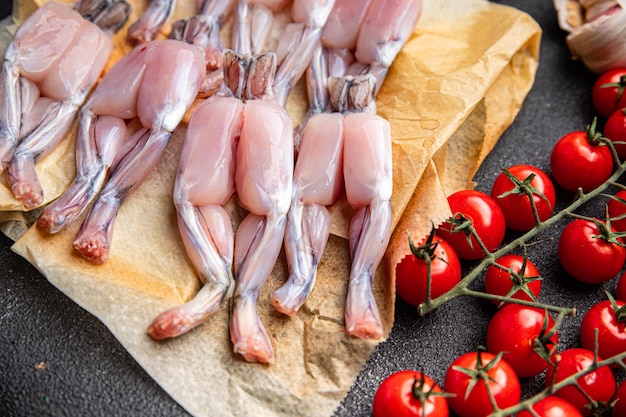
379	41
263	179
298	43
360	37
50	66
333	54
314	188
342	29
101	134
204	183
341	32
317	92
318	179
246	78
209	21
268	180
356	30
367	156
160	107
253	24
106	135
367	175
151	21
366	142
133	88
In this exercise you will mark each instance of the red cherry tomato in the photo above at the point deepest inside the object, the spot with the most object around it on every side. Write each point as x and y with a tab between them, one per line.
486	217
589	254
599	385
412	273
552	406
521	332
607	94
620	405
511	281
399	395
611	325
511	191
578	160
470	397
616	209
615	129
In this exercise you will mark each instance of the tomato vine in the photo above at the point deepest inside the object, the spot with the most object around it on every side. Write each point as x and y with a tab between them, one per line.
462	289
561	312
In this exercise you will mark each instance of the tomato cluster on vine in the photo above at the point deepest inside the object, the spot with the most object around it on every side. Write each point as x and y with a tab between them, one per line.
522	336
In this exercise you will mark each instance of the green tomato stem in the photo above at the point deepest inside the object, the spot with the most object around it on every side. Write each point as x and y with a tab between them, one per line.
571	380
461	289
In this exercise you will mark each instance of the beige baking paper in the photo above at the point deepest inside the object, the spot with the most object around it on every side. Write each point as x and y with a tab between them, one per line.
458	83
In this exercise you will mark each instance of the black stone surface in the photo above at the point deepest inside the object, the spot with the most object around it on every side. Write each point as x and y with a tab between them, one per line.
58	360
5	8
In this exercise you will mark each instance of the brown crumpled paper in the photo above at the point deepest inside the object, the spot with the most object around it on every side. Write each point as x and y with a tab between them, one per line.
458	83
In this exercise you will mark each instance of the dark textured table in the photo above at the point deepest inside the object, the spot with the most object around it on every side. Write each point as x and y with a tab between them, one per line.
58	360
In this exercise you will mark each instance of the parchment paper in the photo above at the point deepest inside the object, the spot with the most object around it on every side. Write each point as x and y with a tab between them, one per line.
456	86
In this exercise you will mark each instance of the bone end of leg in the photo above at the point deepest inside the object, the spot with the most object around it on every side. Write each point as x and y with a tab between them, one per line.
247	333
29	193
181	319
361	314
366	327
284	304
51	221
93	248
289	298
169	324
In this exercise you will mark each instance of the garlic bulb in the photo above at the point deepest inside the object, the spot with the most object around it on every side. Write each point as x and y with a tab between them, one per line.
597	31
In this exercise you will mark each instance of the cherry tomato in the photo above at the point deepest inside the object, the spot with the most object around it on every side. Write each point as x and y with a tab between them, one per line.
620	405
471	398
579	160
620	289
512	190
607	94
409	394
412	272
599	385
523	334
485	216
512	281
552	406
615	129
610	320
589	253
617	208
